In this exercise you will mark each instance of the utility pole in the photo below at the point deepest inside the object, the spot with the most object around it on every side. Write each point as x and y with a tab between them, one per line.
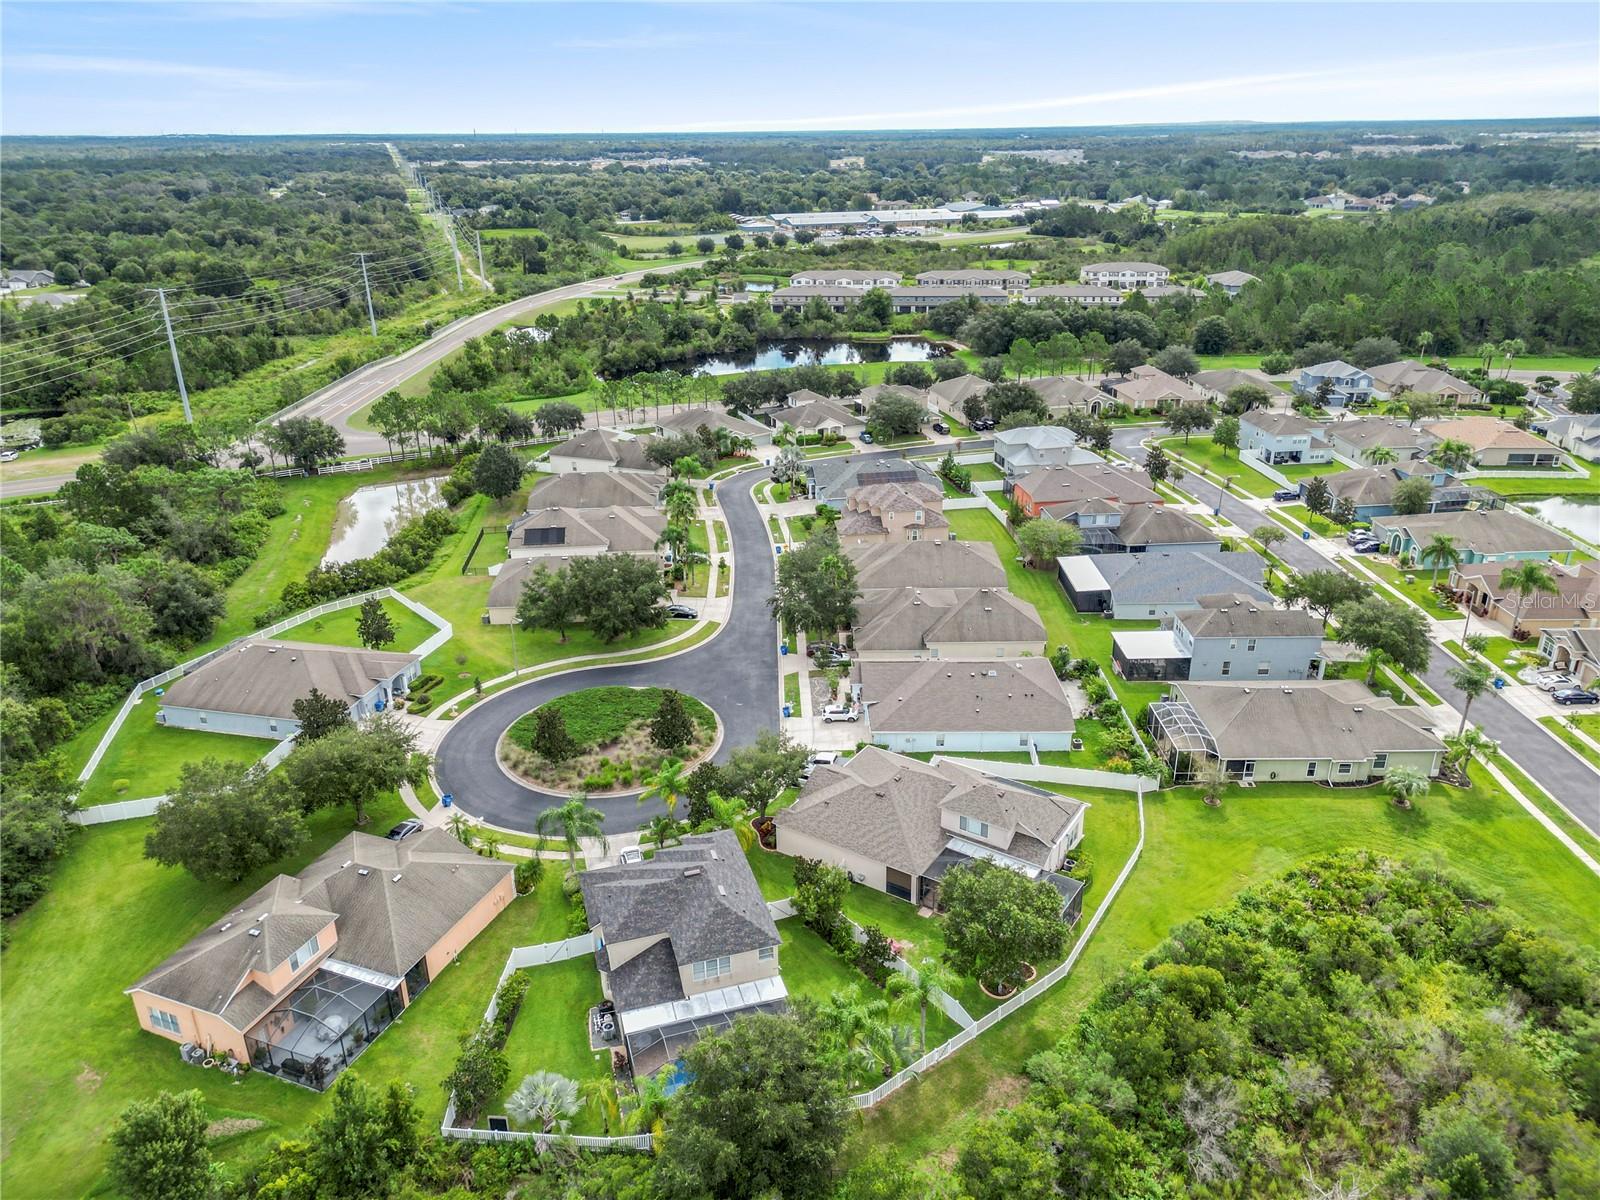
172	344
367	287
482	274
455	254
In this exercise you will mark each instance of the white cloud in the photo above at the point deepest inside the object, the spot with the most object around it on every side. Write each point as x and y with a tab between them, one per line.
202	74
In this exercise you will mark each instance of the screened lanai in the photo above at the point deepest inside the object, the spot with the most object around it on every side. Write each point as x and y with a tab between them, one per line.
1182	737
324	1024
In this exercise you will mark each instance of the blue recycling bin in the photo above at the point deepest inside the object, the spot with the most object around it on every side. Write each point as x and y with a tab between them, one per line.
784	648
787	711
1499	682
447	799
1305	535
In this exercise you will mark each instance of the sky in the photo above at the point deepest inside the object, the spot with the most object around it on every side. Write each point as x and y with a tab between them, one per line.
388	66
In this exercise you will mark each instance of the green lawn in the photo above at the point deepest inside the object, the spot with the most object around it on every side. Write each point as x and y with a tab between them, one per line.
1585	751
1089	637
1314	522
1417	590
1501	649
1535	487
1197	858
791	693
145	759
985	471
551	1032
602	714
1219	465
339	628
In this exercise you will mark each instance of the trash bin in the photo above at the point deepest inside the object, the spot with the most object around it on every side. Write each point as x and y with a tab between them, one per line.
447	799
1305	535
784	648
787	711
1499	682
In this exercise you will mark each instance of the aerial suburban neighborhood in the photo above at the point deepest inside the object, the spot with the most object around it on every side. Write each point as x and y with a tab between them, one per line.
795	642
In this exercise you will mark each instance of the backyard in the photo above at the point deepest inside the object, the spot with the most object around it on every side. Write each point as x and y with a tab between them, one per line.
339	628
145	758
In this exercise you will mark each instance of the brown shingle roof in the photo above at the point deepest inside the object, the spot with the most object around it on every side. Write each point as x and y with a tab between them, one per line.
911	619
958	696
927	564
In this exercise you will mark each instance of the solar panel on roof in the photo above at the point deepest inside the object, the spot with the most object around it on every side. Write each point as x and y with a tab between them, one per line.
900	475
556	536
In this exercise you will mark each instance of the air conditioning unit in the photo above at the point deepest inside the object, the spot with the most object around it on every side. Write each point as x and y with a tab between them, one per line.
1247	783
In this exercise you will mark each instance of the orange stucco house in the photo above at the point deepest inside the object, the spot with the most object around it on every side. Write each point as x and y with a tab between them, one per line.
302	976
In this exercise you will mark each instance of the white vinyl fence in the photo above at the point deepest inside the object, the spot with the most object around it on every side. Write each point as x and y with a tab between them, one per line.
1040	773
132	808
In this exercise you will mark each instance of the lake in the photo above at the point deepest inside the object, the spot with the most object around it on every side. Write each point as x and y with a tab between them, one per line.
778	355
368	517
1576	514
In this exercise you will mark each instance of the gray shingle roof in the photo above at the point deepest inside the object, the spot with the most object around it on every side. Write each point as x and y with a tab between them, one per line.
629	530
690	419
1167	577
959	696
810	416
1054	485
607	445
649	977
927	564
1158	525
832	478
1227	615
596	489
1481	530
264	678
700	895
1281	424
911	619
1338	720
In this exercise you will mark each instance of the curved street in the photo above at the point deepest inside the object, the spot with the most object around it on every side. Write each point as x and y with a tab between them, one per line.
736	673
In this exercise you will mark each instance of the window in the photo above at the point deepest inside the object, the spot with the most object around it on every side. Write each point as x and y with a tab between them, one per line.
203	720
713	968
1250	645
304	954
1152	612
973	825
1264	669
767	953
1311	770
1380	761
938	739
273	726
1344	768
164	1020
1227	668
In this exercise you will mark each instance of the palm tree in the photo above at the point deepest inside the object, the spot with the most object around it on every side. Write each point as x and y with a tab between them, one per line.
666	785
1471	679
690	559
1424	340
1212	778
1378	455
680	502
931	980
1406	784
1372	660
861	1025
1486	352
730	813
1525	579
1512	347
1461	748
574	820
489	842
676	539
460	827
662	830
1441	551
827	516
600	1094
544	1099
1454	456
649	1105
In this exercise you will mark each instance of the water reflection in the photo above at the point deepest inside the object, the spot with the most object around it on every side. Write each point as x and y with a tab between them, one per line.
368	517
779	355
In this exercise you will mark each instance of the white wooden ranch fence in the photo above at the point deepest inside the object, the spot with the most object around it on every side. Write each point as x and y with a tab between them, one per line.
128	809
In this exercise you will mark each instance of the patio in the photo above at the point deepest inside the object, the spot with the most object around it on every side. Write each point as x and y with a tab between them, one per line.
325	1024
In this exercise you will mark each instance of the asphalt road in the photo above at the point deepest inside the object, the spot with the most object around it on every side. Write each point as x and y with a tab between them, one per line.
735	673
1549	763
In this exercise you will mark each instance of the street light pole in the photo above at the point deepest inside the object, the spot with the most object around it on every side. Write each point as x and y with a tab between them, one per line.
172	345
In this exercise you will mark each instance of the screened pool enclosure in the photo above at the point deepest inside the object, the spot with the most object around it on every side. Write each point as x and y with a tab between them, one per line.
325	1024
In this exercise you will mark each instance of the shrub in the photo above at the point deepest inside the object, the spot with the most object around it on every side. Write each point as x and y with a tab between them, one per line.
528	874
508	1002
419	703
874	955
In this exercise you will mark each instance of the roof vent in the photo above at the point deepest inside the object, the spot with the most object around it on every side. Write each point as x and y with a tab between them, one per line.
255	933
1288	691
396	877
272	649
1358	708
363	872
691	872
226	925
345	863
721	891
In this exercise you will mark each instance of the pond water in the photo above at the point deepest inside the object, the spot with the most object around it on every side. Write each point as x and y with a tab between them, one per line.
368	517
1576	514
777	355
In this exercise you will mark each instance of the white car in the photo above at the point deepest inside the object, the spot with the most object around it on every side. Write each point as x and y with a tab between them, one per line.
10	455
839	712
822	758
1554	683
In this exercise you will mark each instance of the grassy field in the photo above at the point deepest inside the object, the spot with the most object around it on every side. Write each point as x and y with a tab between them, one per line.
1535	487
1218	465
1196	858
1581	748
339	628
551	1032
145	759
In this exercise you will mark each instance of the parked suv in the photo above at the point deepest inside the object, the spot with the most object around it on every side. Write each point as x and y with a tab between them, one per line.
839	712
1284	495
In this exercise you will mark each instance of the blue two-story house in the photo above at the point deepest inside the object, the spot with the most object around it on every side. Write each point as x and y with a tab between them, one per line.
1227	638
1350	385
1276	437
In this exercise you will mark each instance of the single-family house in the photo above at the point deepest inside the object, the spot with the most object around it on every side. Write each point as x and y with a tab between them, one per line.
1089	491
964	705
891	512
684	944
1371	489
1010	281
1480	534
1356	439
1147	388
1579	436
1332	731
1574	650
1091	295
859	280
1062	394
961	623
1140	529
1497	443
1231	282
1125	276
592	489
15	280
584	532
1228	636
250	690
1347	385
1028	448
830	480
1215	385
300	978
692	420
1576	600
927	564
897	825
1281	437
825	417
602	450
950	395
1408	375
1161	583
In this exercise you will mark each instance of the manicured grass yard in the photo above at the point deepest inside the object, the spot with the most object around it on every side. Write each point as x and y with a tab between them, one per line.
150	757
1535	487
1559	727
598	715
551	1032
1297	472
1196	858
1418	590
1218	464
339	628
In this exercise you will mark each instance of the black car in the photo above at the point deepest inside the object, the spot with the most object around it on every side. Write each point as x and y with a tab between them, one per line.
825	649
1575	696
1284	495
405	829
940	427
682	612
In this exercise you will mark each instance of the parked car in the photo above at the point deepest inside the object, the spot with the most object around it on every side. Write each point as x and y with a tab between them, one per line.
9	455
1575	695
1554	682
1356	536
823	758
828	662
839	712
682	612
816	648
1283	495
940	427
405	829
866	437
